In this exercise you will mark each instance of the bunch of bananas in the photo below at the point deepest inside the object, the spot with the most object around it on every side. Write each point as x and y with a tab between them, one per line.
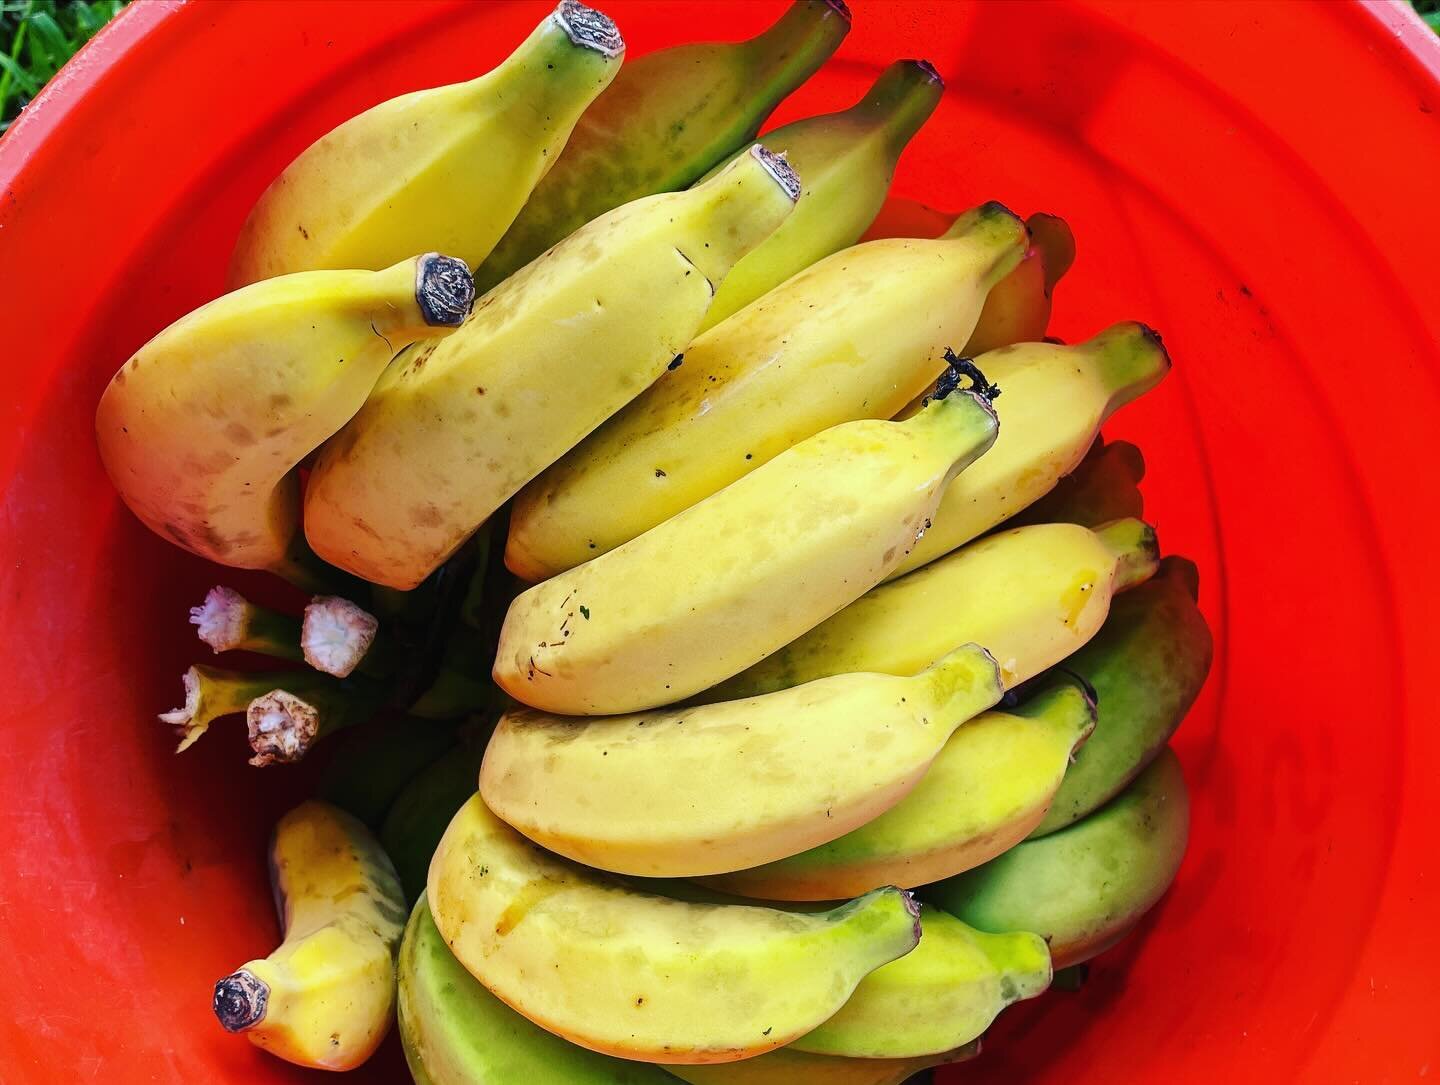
659	480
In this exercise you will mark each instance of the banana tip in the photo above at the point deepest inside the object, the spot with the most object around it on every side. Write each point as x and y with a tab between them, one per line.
444	290
240	1001
840	8
778	167
589	28
931	72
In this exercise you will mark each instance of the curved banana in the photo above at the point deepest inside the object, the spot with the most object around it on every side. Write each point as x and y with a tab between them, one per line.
1084	887
201	429
453	429
1057	398
782	773
728	581
1148	664
446	168
373	766
983	793
666	119
324	997
419	815
1031	596
942	994
853	337
1105	487
847	160
628	973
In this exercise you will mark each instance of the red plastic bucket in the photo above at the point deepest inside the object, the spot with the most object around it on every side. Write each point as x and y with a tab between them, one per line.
1257	180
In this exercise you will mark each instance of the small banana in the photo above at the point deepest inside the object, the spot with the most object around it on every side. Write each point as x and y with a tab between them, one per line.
446	168
454	428
1105	487
782	773
201	430
1148	664
1031	596
323	999
711	591
639	976
855	336
419	815
1085	887
983	793
666	119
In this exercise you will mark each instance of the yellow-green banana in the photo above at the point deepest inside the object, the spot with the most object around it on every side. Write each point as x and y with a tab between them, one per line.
853	337
1031	596
782	773
983	793
1085	887
454	428
847	160
446	168
1053	403
718	587
640	976
666	119
201	429
324	997
1105	487
415	823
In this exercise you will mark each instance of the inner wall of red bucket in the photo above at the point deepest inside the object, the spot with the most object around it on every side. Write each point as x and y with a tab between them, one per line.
1252	179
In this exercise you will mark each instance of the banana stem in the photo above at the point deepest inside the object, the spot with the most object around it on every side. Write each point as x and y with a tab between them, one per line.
306	570
1072	978
211	692
228	622
964	367
284	725
338	637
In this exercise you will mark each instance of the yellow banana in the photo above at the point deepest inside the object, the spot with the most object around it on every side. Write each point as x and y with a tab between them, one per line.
324	998
855	336
1057	399
201	429
446	168
640	976
782	773
1031	596
453	429
983	793
717	588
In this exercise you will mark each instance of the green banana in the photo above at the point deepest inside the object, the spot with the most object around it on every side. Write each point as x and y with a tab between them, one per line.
420	813
666	119
1105	487
1085	887
1147	664
373	765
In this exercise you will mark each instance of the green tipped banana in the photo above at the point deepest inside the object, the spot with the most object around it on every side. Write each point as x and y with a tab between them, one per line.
1105	487
788	1066
375	763
666	119
1147	665
420	813
846	161
1083	888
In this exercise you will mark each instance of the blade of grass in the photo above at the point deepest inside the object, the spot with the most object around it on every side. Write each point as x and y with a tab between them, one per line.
47	38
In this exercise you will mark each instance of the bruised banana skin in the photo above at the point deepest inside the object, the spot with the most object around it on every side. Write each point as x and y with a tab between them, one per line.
671	981
387	184
1105	487
453	429
200	431
324	998
856	336
667	118
711	591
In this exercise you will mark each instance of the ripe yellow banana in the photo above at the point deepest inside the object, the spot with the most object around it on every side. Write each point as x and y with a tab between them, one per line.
717	588
780	773
454	428
446	168
1105	487
855	336
201	429
1057	398
324	997
983	793
1031	596
639	976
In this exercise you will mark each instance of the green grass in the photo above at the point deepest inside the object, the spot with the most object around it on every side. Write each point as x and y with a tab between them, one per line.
36	38
1429	11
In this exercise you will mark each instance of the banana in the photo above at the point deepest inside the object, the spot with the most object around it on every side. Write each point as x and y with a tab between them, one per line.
323	999
718	587
790	1067
200	430
640	976
667	118
942	994
1084	887
981	795
1031	596
1058	398
855	336
454	428
1105	487
1148	664
446	168
847	160
375	764
781	773
417	819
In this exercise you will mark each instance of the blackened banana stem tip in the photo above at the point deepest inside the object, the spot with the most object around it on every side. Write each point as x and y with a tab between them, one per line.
840	8
589	28
778	167
931	72
444	290
964	367
240	1001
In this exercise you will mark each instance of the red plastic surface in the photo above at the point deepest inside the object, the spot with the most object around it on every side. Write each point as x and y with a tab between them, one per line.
1257	180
